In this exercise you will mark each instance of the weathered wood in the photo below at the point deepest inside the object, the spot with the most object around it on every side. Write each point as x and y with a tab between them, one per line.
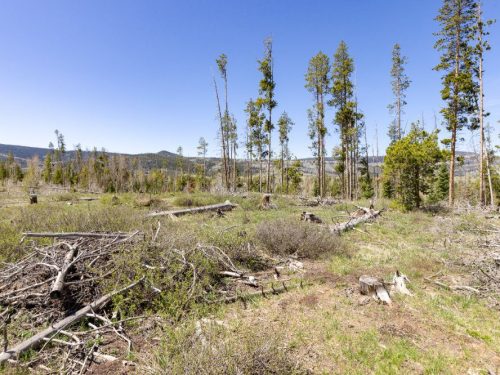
282	287
245	279
58	285
73	235
66	322
373	286
359	218
399	284
88	199
226	206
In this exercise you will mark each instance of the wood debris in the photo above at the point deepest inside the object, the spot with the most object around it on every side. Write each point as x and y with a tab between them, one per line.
362	215
220	207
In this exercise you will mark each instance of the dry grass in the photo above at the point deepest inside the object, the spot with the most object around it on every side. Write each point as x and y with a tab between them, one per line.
325	328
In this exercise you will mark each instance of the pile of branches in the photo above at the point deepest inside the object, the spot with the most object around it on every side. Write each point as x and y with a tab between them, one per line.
59	293
52	288
486	269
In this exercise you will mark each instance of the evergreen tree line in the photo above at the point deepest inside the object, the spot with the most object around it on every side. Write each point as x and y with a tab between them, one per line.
415	166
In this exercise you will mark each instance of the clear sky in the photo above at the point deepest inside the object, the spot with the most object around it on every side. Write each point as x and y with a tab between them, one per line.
136	76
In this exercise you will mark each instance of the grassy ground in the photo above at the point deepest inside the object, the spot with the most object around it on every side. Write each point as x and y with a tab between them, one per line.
327	327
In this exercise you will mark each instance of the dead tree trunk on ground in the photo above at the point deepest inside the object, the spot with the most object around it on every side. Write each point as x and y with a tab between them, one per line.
226	206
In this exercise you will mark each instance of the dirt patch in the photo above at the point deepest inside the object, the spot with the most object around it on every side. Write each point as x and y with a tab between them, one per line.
311	301
111	368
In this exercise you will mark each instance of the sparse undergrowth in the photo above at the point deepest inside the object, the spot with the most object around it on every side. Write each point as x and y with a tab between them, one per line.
323	328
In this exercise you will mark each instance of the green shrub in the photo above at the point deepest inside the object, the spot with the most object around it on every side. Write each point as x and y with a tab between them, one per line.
289	237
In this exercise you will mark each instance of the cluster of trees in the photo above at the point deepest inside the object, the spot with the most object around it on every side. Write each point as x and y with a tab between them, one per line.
101	171
414	165
461	41
258	134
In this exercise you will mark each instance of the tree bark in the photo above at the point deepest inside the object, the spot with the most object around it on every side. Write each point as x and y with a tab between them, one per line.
58	285
223	140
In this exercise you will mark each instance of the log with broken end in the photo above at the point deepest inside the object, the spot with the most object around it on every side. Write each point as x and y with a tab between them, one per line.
66	322
220	207
359	219
58	285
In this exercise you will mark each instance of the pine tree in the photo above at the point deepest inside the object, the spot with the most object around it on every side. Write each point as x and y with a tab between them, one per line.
400	83
285	124
457	19
346	116
266	90
440	187
318	83
409	166
3	171
47	168
365	177
255	123
202	152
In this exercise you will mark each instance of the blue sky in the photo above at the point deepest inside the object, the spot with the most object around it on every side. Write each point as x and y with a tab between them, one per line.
136	76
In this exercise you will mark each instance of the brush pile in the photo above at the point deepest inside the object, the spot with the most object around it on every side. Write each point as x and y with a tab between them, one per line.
67	305
55	286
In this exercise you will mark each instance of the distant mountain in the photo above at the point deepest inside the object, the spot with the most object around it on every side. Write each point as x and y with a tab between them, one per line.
167	159
23	153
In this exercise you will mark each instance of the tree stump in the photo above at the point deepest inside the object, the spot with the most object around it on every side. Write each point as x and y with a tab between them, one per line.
372	286
265	203
33	198
310	217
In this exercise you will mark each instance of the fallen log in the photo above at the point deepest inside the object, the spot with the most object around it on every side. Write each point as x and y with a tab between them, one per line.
58	285
73	235
263	292
66	322
359	218
220	207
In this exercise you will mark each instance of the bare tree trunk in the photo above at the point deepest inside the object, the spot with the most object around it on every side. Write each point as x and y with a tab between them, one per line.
454	125
235	174
451	185
260	173
268	184
223	140
481	113
282	168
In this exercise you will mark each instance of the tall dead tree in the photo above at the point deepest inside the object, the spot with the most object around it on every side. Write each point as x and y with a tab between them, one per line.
223	118
481	46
